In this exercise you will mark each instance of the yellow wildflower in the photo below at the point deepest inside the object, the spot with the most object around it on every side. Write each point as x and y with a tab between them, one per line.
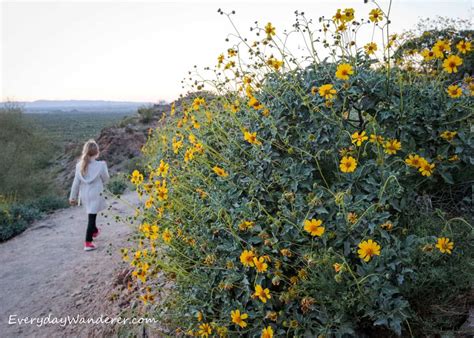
344	71
267	332
448	135
327	91
414	160
376	15
454	91
359	138
270	30
348	164
445	245
368	249
205	330
239	318
392	146
426	169
262	294
452	63
314	227
464	46
219	171
251	138
260	264
246	258
370	48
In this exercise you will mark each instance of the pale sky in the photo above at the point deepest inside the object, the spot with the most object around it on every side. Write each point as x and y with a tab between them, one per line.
140	51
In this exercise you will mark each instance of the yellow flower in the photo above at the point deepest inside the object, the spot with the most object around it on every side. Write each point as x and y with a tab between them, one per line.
451	64
220	59
262	294
358	139
348	14
251	138
376	139
337	267
348	164
376	15
269	30
238	318
199	316
163	168
245	225
414	160
338	17
149	203
260	264
427	54
352	217
454	91
246	258
368	249
440	47
444	245
137	178
370	48
267	332
344	71
255	104
204	330
426	169
219	171
198	102
448	135
231	52
387	226
392	146
274	63
464	46
314	227
166	236
327	91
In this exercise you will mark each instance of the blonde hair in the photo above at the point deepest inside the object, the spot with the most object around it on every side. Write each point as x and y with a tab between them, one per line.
89	150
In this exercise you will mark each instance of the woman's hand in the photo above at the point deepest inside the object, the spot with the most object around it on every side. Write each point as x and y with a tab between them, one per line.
72	202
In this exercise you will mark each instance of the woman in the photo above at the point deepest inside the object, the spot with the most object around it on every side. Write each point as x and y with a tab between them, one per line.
88	187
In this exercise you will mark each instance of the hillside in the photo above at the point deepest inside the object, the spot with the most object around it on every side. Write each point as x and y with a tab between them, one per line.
120	146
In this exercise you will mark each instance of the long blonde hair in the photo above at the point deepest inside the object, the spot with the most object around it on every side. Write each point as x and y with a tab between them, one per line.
89	150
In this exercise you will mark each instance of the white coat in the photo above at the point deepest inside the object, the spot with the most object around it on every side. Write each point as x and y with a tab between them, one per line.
88	189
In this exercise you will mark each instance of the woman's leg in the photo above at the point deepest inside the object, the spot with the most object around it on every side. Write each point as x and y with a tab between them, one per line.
91	227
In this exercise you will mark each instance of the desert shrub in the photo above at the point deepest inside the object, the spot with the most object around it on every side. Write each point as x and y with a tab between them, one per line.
146	113
307	195
15	218
49	203
24	153
117	185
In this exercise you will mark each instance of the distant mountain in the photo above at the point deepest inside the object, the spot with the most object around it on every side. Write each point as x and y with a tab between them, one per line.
98	106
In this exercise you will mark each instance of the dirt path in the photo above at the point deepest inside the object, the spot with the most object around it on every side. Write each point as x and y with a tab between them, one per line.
45	270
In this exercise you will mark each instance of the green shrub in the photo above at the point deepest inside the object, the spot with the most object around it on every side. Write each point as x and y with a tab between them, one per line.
299	201
14	219
49	203
146	114
117	185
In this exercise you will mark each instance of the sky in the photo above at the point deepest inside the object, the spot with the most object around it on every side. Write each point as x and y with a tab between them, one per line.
141	50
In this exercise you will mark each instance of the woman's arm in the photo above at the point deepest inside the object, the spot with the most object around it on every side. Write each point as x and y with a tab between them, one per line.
104	174
75	189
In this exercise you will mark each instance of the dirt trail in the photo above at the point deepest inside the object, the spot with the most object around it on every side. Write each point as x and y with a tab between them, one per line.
45	270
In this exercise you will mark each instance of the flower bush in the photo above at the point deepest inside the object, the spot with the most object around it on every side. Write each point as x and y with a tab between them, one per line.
308	195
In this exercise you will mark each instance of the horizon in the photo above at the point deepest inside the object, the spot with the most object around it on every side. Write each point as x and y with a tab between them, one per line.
139	52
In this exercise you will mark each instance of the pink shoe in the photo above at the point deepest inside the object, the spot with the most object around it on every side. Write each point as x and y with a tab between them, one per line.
96	234
89	246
